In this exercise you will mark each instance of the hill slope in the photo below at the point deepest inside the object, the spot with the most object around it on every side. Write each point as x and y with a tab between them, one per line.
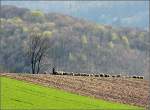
125	13
122	90
75	45
20	95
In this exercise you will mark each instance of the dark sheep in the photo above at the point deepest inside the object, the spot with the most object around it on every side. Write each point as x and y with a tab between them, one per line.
64	73
134	76
96	75
141	77
113	76
59	73
118	75
77	74
86	74
101	75
45	72
106	75
83	74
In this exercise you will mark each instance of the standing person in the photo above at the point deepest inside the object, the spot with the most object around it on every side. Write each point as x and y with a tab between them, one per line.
54	71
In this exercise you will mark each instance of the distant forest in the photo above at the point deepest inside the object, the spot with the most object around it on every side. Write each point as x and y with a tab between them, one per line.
75	45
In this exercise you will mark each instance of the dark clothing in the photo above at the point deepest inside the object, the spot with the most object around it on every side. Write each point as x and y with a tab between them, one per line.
53	70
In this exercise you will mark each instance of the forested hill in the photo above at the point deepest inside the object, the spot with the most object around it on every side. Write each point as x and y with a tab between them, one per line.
75	44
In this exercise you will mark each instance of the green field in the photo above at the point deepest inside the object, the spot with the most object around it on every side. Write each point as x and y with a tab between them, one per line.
22	95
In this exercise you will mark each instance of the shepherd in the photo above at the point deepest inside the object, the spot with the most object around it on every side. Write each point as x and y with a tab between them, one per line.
54	72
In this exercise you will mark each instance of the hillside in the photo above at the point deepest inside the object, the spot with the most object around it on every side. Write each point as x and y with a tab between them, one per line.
31	96
124	13
122	90
75	45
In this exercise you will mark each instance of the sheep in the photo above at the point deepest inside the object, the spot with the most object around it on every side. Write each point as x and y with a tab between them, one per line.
91	74
81	74
84	74
69	73
45	72
106	75
113	76
101	75
64	73
88	74
141	77
96	75
55	73
118	76
58	73
77	74
134	76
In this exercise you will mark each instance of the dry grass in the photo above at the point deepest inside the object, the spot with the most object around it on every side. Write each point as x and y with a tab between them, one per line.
123	90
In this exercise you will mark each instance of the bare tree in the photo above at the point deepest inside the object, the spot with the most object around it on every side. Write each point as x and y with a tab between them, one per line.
38	46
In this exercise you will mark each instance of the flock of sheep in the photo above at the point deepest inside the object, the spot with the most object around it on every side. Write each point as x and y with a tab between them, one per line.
94	75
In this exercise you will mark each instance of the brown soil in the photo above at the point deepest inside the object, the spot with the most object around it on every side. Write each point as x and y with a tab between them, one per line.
122	90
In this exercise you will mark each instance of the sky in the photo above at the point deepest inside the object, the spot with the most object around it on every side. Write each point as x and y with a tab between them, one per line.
118	13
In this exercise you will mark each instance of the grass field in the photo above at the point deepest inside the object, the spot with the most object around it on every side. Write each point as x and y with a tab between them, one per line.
22	95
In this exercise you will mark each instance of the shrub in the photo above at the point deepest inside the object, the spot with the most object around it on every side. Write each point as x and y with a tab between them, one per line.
84	40
125	40
37	13
114	36
111	45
